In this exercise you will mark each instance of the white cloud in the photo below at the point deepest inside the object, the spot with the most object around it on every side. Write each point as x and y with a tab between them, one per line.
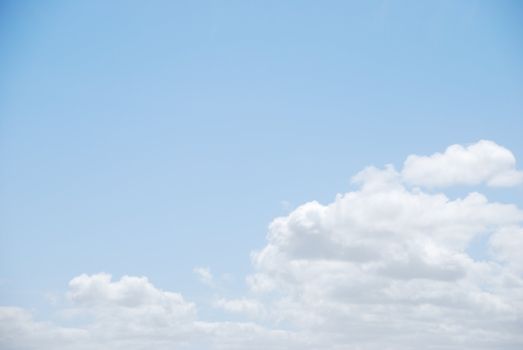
132	314
481	162
384	262
130	308
260	283
385	266
18	330
249	307
506	245
130	292
204	275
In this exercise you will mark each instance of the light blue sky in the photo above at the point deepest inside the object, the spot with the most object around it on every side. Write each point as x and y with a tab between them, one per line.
149	139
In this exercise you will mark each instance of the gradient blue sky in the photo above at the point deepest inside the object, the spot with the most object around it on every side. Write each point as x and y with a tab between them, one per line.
149	138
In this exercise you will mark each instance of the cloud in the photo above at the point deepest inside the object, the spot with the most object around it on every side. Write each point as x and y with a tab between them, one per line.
132	314
18	330
384	266
386	261
204	275
129	292
481	162
249	307
506	246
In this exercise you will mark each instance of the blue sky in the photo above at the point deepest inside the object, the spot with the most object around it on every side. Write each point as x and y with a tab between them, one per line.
146	139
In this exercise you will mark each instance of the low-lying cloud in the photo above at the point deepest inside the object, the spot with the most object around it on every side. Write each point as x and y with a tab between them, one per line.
385	266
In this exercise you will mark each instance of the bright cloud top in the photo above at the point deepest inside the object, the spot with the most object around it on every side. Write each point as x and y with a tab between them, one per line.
482	162
385	266
389	262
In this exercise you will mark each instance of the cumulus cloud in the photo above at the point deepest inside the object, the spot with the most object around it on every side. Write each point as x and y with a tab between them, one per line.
481	162
387	261
132	313
18	330
384	266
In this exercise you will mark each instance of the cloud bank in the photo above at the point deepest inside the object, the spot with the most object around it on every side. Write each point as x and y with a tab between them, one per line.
385	266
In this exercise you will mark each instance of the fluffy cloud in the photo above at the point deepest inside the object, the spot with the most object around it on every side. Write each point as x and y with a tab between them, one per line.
482	162
131	313
18	330
384	266
390	266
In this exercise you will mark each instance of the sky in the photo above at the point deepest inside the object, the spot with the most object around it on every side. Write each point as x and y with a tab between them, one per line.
261	174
